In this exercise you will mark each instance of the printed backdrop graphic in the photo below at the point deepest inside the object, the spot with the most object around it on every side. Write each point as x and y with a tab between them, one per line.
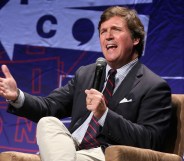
44	46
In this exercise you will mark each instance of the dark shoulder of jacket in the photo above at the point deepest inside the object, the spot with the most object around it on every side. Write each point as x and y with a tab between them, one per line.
87	68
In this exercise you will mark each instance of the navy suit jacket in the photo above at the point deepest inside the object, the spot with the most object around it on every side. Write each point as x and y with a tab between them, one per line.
143	121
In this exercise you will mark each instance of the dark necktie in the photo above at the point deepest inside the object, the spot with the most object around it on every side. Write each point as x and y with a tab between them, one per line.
108	91
89	140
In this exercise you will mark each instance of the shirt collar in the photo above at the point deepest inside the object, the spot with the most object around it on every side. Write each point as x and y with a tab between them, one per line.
123	69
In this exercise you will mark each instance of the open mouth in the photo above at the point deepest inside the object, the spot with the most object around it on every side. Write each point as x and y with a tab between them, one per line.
111	46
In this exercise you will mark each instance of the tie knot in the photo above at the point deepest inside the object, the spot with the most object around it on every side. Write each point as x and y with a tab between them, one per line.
112	72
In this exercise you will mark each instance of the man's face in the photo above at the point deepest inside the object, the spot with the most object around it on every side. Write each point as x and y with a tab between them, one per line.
116	42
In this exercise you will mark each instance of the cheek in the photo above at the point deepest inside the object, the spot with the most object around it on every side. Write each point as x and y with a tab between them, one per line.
126	42
102	44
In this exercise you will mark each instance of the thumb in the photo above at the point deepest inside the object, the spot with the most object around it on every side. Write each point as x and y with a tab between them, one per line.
6	71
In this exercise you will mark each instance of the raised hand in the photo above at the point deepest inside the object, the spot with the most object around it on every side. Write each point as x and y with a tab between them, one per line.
8	85
95	102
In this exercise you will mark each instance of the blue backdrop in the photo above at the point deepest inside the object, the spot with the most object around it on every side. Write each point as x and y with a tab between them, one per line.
44	42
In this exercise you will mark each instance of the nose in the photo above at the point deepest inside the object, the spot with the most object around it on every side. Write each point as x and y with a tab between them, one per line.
109	35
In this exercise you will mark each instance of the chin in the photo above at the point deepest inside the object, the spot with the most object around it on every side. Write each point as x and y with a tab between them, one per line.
111	59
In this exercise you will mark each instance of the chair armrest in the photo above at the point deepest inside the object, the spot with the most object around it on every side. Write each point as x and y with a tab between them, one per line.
127	153
18	156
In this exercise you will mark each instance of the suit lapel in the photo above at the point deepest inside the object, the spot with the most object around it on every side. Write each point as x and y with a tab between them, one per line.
79	122
130	81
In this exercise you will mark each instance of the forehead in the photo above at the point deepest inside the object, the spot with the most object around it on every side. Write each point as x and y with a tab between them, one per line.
113	21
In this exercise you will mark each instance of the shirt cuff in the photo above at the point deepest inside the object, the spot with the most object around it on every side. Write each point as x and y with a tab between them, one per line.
20	100
101	121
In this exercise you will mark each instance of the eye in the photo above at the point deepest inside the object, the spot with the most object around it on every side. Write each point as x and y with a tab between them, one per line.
102	31
117	29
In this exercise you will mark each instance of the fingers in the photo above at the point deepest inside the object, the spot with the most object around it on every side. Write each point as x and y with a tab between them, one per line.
8	86
95	102
94	99
91	91
92	95
6	71
89	101
2	90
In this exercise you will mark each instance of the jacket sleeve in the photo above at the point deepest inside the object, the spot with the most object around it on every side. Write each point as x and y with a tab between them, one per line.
58	103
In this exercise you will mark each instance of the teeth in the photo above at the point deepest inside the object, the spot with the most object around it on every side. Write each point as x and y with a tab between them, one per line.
111	46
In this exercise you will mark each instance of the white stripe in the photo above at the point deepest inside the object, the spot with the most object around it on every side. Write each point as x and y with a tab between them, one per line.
166	77
66	121
67	76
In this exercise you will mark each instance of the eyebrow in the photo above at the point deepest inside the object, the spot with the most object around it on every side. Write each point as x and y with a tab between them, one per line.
112	27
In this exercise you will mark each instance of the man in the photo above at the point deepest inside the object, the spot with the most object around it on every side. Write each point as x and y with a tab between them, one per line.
137	114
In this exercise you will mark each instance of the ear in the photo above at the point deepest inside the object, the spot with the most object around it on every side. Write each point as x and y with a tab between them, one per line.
136	41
